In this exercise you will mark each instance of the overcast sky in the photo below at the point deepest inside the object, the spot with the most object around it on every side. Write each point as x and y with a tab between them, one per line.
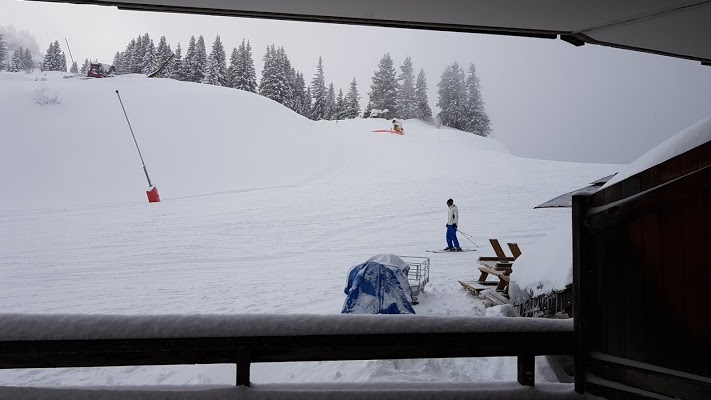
546	98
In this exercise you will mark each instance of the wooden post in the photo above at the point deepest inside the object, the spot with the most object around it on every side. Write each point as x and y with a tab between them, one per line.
243	365
581	204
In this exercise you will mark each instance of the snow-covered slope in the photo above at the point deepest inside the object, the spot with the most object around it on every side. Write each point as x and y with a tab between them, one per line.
263	211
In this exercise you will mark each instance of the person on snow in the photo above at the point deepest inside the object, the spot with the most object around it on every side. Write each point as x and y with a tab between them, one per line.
452	220
397	125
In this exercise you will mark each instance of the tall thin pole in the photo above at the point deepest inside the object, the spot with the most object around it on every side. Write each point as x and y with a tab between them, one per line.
134	140
70	50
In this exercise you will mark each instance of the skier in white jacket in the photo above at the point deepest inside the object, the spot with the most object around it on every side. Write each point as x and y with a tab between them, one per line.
452	220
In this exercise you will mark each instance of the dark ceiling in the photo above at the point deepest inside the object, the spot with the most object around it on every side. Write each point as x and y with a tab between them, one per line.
676	28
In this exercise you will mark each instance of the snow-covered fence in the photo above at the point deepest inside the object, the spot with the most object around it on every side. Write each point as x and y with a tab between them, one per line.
50	341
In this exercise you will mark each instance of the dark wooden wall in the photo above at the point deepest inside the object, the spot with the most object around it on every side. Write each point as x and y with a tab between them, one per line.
642	268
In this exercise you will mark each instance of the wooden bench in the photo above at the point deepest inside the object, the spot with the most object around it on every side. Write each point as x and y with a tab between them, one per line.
499	266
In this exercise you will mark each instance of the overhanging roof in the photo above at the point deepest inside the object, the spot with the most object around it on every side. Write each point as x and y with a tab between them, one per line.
677	28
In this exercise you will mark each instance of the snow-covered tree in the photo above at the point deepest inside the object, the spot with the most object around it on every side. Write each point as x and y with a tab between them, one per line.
54	59
266	85
28	64
149	57
330	103
137	56
85	67
117	63
406	93
216	70
3	52
422	104
339	109
352	101
163	52
318	93
176	68
188	73
126	56
17	61
231	73
383	94
308	105
452	97
75	68
478	121
302	103
241	72
277	78
198	64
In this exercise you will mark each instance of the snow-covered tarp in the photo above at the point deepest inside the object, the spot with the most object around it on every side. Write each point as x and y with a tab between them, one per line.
379	286
688	139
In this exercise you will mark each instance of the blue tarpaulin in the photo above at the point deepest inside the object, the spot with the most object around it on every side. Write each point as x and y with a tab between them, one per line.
379	286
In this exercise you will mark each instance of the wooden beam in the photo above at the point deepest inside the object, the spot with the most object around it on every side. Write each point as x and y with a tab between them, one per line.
600	218
648	377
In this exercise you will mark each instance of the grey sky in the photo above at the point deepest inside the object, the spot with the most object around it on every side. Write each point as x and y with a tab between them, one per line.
546	98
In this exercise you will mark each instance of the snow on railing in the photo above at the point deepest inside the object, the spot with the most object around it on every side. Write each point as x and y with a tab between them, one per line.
48	341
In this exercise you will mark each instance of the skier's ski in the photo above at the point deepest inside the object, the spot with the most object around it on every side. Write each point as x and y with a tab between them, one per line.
449	251
388	131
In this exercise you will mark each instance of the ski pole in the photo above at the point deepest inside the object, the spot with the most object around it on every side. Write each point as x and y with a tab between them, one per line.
467	236
134	140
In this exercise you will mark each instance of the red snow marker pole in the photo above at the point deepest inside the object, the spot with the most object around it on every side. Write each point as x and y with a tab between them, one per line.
153	196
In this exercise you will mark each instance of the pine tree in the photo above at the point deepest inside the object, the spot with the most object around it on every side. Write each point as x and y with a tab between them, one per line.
28	62
308	105
383	95
17	61
339	110
352	101
301	102
287	79
330	103
268	72
188	73
75	68
3	52
118	63
276	83
231	75
406	93
318	93
54	59
199	61
149	57
422	106
137	56
477	120
162	52
85	67
452	97
243	74
176	68
127	57
216	70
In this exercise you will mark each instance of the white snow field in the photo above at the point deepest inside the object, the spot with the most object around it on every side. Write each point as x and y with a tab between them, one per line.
263	212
